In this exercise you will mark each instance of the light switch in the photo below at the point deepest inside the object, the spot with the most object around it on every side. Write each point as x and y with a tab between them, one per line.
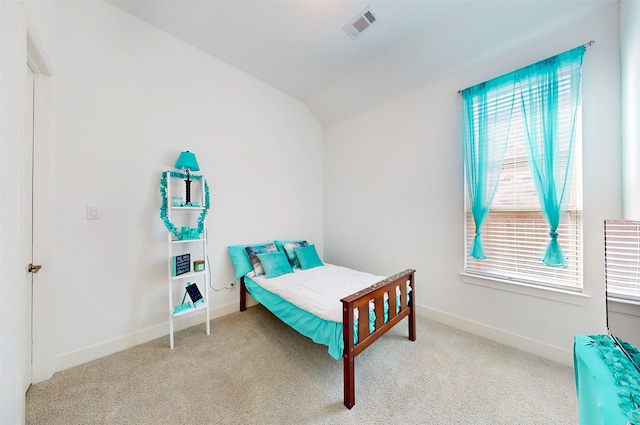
93	213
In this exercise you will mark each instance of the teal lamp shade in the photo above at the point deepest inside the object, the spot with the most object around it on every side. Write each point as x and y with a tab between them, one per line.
187	161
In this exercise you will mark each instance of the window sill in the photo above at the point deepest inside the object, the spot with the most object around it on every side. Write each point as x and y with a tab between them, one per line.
560	295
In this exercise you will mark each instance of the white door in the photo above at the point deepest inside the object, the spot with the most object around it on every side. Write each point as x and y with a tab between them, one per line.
26	225
35	186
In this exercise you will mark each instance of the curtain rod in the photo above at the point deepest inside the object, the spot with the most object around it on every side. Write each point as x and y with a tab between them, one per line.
588	44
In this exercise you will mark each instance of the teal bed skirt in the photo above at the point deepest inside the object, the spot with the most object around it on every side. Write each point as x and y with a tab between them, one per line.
320	331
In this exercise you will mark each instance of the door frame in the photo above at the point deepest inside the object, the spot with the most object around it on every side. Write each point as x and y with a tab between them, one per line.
43	296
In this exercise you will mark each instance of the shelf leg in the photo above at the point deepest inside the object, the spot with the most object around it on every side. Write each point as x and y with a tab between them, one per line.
208	324
171	332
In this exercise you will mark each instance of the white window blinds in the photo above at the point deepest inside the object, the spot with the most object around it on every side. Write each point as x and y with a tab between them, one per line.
622	258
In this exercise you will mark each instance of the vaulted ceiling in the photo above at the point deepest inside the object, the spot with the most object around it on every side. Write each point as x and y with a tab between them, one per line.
299	47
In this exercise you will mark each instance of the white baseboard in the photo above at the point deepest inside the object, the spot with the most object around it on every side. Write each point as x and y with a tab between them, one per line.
84	355
507	338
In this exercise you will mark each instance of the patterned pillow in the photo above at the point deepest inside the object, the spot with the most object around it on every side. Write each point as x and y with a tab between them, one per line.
240	259
291	255
253	251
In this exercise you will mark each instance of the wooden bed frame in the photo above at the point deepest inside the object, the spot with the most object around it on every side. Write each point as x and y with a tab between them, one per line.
360	300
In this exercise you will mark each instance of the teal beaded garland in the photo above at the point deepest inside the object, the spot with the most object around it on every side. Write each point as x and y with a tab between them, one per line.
165	204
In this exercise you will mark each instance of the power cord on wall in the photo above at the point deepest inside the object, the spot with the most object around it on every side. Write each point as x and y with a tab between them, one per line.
229	285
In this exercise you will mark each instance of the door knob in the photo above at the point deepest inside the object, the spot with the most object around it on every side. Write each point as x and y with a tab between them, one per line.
34	268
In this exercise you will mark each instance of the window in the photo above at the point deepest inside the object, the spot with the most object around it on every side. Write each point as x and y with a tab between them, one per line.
622	258
515	232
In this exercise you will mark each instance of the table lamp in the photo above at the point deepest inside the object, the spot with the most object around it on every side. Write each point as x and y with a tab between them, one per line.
187	161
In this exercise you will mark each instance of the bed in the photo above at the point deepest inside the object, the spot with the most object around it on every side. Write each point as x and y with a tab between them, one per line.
317	299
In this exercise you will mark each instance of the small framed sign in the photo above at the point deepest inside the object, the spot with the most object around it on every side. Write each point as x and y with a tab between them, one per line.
194	293
181	264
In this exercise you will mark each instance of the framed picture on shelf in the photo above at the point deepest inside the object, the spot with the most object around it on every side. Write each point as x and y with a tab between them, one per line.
194	293
181	264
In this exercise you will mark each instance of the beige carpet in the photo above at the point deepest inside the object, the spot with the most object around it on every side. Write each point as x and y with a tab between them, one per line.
253	369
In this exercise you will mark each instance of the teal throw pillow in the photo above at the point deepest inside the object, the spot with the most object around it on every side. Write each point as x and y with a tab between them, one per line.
308	257
275	264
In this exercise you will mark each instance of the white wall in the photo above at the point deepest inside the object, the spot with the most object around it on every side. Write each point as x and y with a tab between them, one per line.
394	195
630	58
129	98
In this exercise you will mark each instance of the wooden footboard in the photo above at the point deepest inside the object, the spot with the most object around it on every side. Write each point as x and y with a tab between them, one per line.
360	300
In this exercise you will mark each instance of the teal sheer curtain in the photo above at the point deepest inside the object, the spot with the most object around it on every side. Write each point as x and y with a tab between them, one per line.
546	88
487	113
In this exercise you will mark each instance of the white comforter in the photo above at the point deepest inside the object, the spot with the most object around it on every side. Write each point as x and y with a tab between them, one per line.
320	289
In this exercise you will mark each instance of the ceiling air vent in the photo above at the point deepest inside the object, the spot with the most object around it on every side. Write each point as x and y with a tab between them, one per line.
360	23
